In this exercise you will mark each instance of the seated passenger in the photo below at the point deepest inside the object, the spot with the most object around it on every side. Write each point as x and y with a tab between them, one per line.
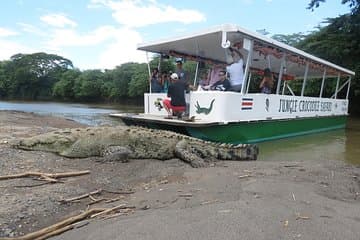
267	82
213	75
222	85
203	81
176	105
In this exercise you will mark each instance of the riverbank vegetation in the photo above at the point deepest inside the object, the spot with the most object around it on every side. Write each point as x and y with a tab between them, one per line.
51	77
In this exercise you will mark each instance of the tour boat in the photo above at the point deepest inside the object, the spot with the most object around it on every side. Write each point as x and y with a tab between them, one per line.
245	116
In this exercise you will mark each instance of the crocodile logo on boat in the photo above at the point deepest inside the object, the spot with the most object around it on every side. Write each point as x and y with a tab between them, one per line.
204	110
158	104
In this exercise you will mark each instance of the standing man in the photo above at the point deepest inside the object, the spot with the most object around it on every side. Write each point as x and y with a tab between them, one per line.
180	71
236	71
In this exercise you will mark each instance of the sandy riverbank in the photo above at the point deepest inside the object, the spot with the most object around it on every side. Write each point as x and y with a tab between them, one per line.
233	200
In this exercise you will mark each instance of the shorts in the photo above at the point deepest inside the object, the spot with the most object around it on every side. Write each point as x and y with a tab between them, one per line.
167	103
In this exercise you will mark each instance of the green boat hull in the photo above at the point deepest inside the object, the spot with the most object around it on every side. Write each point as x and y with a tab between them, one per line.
248	132
258	131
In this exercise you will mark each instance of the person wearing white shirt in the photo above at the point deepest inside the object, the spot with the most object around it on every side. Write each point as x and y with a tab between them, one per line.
236	71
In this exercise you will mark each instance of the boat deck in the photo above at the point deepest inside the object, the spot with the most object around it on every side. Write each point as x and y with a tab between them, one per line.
163	120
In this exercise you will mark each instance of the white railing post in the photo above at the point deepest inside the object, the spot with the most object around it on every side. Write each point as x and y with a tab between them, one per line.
248	83
247	67
148	64
283	90
337	86
196	72
322	84
281	70
348	89
305	78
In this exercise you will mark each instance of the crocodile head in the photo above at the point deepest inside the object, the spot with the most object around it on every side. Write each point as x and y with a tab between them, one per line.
51	142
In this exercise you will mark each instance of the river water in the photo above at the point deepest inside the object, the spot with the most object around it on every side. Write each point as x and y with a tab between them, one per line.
342	145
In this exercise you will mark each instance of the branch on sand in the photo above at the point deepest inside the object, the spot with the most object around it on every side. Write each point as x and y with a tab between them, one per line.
49	177
69	223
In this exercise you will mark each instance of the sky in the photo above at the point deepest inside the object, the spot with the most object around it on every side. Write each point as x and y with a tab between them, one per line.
102	34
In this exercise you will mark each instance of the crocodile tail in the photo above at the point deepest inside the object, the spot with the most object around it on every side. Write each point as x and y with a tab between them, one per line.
211	105
197	106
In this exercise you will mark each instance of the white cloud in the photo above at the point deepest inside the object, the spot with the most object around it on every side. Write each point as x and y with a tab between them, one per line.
69	37
140	13
57	20
105	46
9	48
31	29
122	50
4	32
117	45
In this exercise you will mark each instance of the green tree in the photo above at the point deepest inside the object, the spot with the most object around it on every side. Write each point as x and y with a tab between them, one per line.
87	87
139	81
339	42
291	39
353	4
5	78
64	89
34	75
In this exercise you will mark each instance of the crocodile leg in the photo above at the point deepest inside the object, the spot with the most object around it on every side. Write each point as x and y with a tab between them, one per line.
115	153
182	152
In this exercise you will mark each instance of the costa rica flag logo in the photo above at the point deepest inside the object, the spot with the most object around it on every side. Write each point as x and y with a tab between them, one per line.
247	103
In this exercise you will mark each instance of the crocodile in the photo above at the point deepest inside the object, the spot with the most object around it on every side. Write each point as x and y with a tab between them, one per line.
121	143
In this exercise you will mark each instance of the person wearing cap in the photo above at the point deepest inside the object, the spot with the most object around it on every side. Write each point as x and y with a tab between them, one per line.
175	103
180	71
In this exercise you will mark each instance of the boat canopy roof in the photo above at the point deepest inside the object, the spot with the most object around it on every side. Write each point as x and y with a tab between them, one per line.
214	45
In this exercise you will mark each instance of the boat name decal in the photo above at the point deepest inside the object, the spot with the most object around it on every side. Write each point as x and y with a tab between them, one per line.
247	103
295	105
204	110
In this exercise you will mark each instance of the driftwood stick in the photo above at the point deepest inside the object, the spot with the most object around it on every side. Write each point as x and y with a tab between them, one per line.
62	230
57	226
121	206
35	185
120	192
46	176
114	199
81	196
56	232
97	201
92	198
67	174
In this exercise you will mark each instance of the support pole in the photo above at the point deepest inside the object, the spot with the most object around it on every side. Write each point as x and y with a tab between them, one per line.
281	70
248	83
305	78
283	90
337	85
247	67
148	64
322	83
196	72
348	90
